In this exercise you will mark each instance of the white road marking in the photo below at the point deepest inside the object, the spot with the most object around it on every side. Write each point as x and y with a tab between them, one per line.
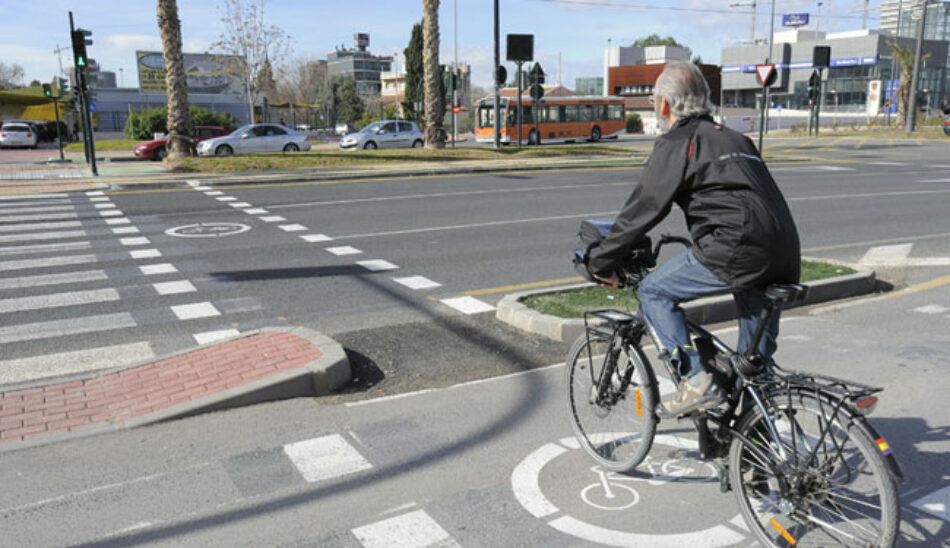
202	188
212	336
145	253
931	309
52	279
33	196
933	181
255	211
29	264
327	457
110	213
122	221
936	504
69	363
195	311
134	241
193	182
153	269
292	228
524	480
38	217
313	238
214	193
25	227
125	230
273	219
897	255
227	199
100	199
58	300
344	250
62	328
60	235
94	193
174	288
835	168
109	205
44	209
887	164
240	205
413	530
939	166
468	305
377	265
43	248
417	282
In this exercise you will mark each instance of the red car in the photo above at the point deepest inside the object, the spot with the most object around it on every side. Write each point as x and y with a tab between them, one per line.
155	150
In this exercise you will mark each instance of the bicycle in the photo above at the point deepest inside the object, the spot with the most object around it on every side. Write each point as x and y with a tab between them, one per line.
797	449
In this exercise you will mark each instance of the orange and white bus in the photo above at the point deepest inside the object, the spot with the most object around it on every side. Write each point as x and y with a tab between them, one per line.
560	119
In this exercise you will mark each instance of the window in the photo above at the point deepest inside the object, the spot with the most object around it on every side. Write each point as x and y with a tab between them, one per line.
528	114
486	116
405	127
585	113
259	131
388	128
569	113
274	130
550	114
615	112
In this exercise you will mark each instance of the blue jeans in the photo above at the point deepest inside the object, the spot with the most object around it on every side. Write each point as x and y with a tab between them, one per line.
682	279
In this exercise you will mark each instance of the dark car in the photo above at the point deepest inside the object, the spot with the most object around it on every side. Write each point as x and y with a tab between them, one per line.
155	149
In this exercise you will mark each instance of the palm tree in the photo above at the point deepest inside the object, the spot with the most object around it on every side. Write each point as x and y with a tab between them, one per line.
904	56
435	135
180	129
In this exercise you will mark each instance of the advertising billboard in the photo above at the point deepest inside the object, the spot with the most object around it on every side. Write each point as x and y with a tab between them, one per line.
205	73
794	19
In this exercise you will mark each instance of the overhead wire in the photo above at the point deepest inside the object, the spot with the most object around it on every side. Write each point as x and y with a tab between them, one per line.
654	7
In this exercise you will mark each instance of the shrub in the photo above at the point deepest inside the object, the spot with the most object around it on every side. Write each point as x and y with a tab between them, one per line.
634	123
145	123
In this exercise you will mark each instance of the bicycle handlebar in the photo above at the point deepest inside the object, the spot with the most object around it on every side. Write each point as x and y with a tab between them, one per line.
670	239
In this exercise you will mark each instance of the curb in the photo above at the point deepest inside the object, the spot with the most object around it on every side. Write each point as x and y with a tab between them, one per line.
709	310
322	376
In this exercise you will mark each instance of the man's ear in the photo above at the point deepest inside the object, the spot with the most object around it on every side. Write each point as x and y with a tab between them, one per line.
665	109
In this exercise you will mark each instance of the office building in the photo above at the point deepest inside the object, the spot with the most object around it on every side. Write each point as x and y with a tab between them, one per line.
589	86
362	65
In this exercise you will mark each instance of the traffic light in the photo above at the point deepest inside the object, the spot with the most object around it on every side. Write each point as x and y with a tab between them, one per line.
47	91
501	75
536	77
79	47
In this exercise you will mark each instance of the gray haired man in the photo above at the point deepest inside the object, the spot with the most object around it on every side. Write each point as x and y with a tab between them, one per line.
743	234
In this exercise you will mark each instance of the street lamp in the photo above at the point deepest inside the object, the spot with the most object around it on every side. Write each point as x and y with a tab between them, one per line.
751	26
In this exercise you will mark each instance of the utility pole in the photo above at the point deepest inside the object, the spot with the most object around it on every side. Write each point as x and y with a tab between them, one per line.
455	72
768	93
897	35
497	89
915	75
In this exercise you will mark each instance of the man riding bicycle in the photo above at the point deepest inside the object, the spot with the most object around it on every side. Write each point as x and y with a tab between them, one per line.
742	230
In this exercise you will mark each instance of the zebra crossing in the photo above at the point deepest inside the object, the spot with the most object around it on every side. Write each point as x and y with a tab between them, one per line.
82	288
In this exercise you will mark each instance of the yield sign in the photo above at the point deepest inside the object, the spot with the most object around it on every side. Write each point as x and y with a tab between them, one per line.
766	74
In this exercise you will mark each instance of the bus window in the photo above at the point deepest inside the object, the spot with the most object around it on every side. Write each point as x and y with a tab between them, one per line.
570	113
586	113
486	116
600	112
550	114
615	112
528	114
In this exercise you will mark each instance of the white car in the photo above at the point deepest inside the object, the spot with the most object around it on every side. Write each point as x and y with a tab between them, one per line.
15	134
256	138
384	134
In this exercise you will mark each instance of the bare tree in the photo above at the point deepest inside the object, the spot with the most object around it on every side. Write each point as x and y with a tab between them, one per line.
11	76
180	129
303	81
435	135
250	44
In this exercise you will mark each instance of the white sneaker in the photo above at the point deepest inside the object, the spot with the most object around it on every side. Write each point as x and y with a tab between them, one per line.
693	394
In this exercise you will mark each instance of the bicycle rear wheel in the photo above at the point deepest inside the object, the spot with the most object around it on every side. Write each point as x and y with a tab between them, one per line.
844	497
615	428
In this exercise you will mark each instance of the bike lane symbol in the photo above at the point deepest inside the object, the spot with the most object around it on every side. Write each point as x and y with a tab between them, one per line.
610	494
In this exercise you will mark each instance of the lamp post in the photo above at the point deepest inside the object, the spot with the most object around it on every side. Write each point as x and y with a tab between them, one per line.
915	75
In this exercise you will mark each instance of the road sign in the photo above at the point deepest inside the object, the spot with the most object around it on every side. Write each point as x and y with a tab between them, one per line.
92	106
766	74
456	109
794	19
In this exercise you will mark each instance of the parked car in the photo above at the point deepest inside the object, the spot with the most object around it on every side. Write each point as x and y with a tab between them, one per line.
385	134
156	149
18	134
342	129
256	138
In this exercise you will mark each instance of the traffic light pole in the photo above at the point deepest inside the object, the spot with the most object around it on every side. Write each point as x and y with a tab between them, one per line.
519	64
90	144
497	90
59	133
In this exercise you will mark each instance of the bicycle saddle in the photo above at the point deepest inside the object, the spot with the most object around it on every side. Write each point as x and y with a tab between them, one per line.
784	293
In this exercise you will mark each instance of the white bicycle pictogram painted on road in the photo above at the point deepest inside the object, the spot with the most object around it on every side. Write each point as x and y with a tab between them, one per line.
612	492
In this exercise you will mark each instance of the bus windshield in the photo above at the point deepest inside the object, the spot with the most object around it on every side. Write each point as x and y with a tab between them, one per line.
486	116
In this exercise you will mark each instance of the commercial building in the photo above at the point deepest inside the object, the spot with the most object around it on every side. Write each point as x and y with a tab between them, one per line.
619	56
362	65
589	86
860	69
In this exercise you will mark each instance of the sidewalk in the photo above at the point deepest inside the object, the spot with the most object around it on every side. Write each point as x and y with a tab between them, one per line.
264	366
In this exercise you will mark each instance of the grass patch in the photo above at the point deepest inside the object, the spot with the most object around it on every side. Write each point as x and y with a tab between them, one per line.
105	144
572	303
923	132
339	158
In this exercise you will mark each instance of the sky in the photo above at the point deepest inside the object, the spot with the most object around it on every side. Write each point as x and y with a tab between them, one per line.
577	31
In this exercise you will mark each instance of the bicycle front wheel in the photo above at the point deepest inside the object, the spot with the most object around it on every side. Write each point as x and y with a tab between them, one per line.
835	488
614	421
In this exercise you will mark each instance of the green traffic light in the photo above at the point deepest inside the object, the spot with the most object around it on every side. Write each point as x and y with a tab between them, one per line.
80	62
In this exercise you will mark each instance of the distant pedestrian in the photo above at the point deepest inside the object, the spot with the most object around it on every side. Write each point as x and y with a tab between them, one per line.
75	136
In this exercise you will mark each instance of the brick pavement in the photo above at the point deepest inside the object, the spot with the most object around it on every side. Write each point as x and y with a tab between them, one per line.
184	379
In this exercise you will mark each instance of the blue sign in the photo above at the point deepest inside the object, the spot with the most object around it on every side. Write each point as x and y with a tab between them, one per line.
794	19
846	62
92	106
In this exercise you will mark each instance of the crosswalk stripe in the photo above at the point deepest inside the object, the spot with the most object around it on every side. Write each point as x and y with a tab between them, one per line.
32	196
174	288
195	311
413	530
53	279
29	264
44	209
211	336
417	282
122	221
60	235
71	363
62	328
25	227
325	457
58	300
44	217
43	248
145	253
468	305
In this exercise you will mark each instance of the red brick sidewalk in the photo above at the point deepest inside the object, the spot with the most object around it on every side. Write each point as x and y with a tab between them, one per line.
116	398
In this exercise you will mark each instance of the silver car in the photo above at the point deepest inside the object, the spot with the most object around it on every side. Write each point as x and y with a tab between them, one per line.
384	134
256	138
16	134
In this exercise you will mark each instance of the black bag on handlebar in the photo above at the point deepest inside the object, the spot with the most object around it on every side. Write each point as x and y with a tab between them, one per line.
631	271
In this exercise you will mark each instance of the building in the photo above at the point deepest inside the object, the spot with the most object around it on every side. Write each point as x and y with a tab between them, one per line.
890	10
589	86
464	72
362	65
860	64
618	56
393	91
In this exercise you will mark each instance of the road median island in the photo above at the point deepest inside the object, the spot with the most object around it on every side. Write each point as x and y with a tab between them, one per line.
557	313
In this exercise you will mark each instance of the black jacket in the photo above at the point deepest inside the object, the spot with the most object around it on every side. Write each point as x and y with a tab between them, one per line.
741	227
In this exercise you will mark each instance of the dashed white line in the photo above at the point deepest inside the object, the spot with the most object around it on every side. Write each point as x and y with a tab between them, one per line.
273	219
110	213
377	265
134	241
62	328
202	188
326	457
108	205
936	504
214	193
125	230
212	336
92	193
931	309
100	199
417	282
174	288
255	211
314	238
468	305
413	530
145	253
240	205
292	228
195	311
226	199
122	221
344	250
58	300
29	264
155	269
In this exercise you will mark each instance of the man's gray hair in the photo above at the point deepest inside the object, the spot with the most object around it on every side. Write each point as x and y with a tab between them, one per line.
684	88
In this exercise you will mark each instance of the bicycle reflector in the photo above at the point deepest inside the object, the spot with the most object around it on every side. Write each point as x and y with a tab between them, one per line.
865	405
